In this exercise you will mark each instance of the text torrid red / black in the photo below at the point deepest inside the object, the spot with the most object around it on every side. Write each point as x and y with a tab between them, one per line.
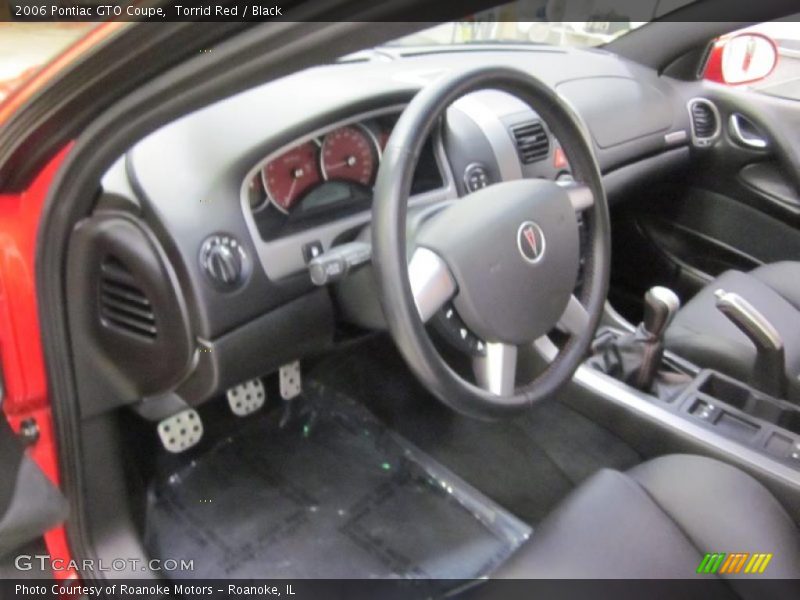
228	11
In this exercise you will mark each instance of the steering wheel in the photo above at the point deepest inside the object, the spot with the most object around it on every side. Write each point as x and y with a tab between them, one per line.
507	256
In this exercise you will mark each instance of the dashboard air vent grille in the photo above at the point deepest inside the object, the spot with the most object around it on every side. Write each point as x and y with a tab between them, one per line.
123	304
533	143
704	119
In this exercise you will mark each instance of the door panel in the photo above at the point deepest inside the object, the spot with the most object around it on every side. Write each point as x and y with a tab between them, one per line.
726	233
737	208
767	180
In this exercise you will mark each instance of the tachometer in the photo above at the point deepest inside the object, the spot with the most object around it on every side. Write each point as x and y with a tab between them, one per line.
289	176
350	154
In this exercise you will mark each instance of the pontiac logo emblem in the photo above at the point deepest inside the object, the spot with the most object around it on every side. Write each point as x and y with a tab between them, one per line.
530	241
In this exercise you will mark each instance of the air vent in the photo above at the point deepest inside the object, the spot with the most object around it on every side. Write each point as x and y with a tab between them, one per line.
533	143
705	121
123	304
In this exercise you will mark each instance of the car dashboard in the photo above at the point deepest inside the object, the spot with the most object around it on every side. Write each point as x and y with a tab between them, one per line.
232	201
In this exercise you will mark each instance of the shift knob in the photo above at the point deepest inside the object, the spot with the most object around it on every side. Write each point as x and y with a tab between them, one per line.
660	306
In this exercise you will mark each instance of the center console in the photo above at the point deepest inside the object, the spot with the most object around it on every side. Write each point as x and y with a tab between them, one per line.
754	414
679	407
717	402
738	411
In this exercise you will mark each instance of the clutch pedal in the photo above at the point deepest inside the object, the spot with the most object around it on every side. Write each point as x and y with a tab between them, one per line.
246	398
181	431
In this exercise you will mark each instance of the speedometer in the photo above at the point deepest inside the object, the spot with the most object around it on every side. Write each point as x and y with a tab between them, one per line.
289	176
350	154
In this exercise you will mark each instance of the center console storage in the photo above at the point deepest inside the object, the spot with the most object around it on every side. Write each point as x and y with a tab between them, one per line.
725	405
738	411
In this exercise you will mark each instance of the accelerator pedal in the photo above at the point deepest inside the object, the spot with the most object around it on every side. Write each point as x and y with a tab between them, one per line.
246	398
290	381
181	431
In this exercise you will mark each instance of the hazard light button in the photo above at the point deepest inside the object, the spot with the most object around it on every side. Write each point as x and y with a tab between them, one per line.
560	159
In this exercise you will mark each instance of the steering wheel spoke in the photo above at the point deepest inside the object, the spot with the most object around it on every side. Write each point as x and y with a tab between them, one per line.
496	370
580	196
432	283
575	318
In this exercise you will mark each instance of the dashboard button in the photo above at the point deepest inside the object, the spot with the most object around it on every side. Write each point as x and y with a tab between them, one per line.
312	250
560	159
476	177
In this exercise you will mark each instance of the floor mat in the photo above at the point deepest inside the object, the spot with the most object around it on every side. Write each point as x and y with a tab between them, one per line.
527	464
331	494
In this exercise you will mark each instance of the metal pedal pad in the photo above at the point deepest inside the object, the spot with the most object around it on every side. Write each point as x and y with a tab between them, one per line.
290	380
181	431
246	398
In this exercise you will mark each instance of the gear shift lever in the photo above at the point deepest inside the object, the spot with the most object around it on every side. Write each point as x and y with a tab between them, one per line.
635	358
660	306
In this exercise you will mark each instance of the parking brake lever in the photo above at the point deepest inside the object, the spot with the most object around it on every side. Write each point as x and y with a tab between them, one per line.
769	373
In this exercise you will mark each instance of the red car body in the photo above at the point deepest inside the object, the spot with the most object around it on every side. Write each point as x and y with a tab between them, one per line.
20	342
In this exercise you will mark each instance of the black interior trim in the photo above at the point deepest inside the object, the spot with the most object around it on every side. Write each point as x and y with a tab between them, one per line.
670	237
767	180
29	503
263	52
622	182
653	437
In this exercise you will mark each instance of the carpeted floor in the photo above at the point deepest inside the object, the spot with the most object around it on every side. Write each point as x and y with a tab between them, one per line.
330	493
527	464
336	478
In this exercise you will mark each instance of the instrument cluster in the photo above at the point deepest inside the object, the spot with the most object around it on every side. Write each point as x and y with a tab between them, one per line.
328	177
322	171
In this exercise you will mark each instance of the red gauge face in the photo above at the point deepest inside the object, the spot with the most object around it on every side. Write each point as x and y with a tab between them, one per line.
349	154
291	175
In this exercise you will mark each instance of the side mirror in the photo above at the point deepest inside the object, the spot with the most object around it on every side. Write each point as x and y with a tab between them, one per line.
743	58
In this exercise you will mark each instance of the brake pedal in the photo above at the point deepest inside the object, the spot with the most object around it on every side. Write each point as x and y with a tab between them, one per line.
246	398
290	380
181	431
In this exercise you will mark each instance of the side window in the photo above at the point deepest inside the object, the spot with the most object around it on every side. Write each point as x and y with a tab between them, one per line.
763	58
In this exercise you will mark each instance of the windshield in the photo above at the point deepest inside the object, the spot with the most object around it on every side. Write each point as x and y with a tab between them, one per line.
553	22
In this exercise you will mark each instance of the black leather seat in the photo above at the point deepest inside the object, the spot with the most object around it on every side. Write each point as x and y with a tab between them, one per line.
657	521
701	334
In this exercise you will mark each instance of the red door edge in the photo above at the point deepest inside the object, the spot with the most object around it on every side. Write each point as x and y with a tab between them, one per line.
21	353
